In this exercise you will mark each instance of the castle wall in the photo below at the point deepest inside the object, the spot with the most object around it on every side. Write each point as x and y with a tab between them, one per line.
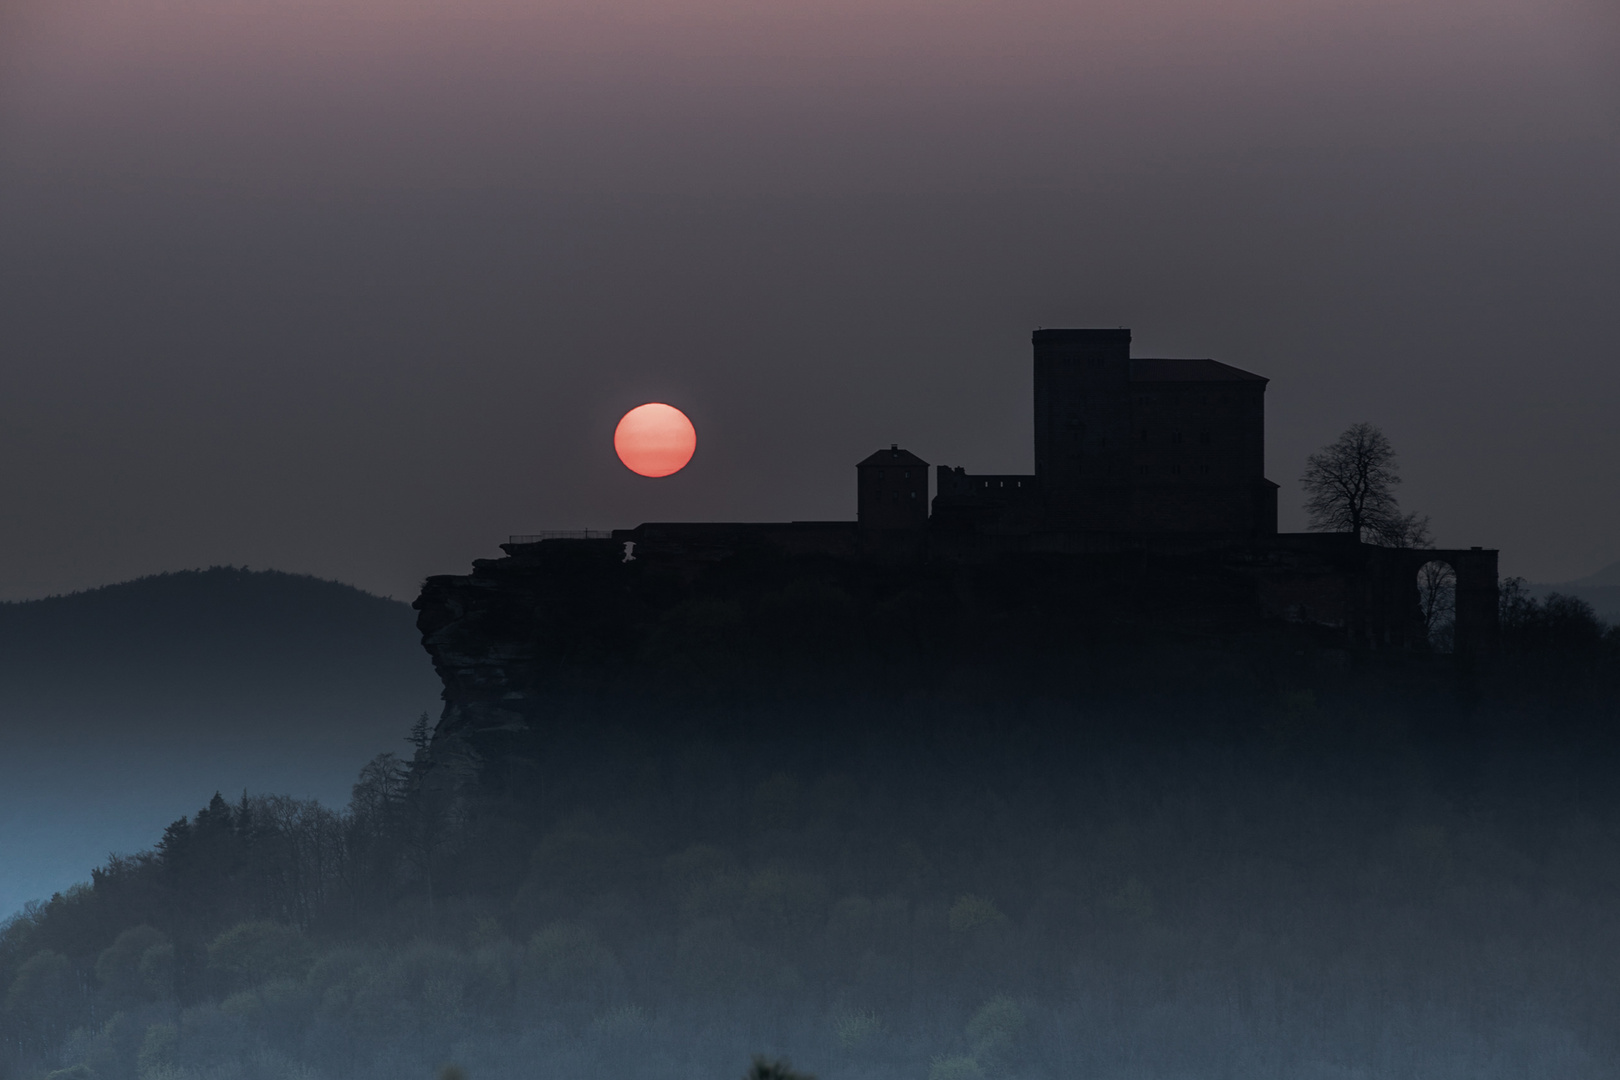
1370	593
1210	434
1234	509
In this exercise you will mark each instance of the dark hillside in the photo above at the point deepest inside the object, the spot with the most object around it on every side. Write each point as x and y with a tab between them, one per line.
1328	889
1212	854
121	707
198	634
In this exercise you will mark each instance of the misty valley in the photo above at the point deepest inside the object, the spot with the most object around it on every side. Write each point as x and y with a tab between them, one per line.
1191	856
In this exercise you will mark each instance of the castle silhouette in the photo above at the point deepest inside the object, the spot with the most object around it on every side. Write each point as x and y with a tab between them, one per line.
1125	448
1148	506
1132	455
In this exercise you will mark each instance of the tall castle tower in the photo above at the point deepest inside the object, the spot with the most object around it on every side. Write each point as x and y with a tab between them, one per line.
1147	446
1083	451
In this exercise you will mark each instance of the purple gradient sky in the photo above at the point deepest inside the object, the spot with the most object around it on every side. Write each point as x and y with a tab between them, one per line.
358	288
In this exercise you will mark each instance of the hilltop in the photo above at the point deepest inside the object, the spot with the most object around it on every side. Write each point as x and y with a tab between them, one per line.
124	706
1601	590
200	635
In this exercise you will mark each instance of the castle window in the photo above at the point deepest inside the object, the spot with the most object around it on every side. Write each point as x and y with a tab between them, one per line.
1144	436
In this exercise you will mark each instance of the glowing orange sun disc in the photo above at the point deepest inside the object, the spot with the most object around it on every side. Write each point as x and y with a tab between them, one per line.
655	440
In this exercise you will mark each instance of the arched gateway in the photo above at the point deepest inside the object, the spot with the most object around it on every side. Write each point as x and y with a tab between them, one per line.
1475	611
1370	594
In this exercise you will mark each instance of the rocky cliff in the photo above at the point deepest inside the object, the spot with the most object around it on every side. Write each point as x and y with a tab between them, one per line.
563	629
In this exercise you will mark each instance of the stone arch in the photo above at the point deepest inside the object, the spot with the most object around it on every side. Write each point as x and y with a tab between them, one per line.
1475	619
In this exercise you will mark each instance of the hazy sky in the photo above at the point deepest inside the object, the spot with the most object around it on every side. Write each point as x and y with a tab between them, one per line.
359	287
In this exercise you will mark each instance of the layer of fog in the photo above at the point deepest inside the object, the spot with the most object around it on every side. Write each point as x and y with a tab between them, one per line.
76	788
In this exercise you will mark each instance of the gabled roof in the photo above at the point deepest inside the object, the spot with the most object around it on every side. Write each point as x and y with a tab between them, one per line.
1189	371
893	456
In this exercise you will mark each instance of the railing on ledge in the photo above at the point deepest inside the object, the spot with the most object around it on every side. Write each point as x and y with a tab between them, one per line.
560	534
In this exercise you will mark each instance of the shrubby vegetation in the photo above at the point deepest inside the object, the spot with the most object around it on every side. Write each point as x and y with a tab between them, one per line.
1407	871
1561	630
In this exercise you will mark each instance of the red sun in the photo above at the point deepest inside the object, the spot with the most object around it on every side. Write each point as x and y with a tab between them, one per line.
655	440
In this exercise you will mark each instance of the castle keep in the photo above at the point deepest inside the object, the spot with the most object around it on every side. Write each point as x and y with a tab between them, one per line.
1128	447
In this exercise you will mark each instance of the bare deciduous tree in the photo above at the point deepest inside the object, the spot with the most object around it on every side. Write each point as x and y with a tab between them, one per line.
1351	487
1437	601
1404	531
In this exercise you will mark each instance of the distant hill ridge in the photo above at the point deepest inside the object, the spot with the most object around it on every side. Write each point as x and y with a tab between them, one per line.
1607	577
223	629
1601	590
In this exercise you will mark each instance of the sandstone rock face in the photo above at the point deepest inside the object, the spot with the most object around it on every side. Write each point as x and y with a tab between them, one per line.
495	634
660	619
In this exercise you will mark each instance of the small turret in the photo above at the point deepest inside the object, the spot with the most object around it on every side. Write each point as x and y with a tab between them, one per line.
892	490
